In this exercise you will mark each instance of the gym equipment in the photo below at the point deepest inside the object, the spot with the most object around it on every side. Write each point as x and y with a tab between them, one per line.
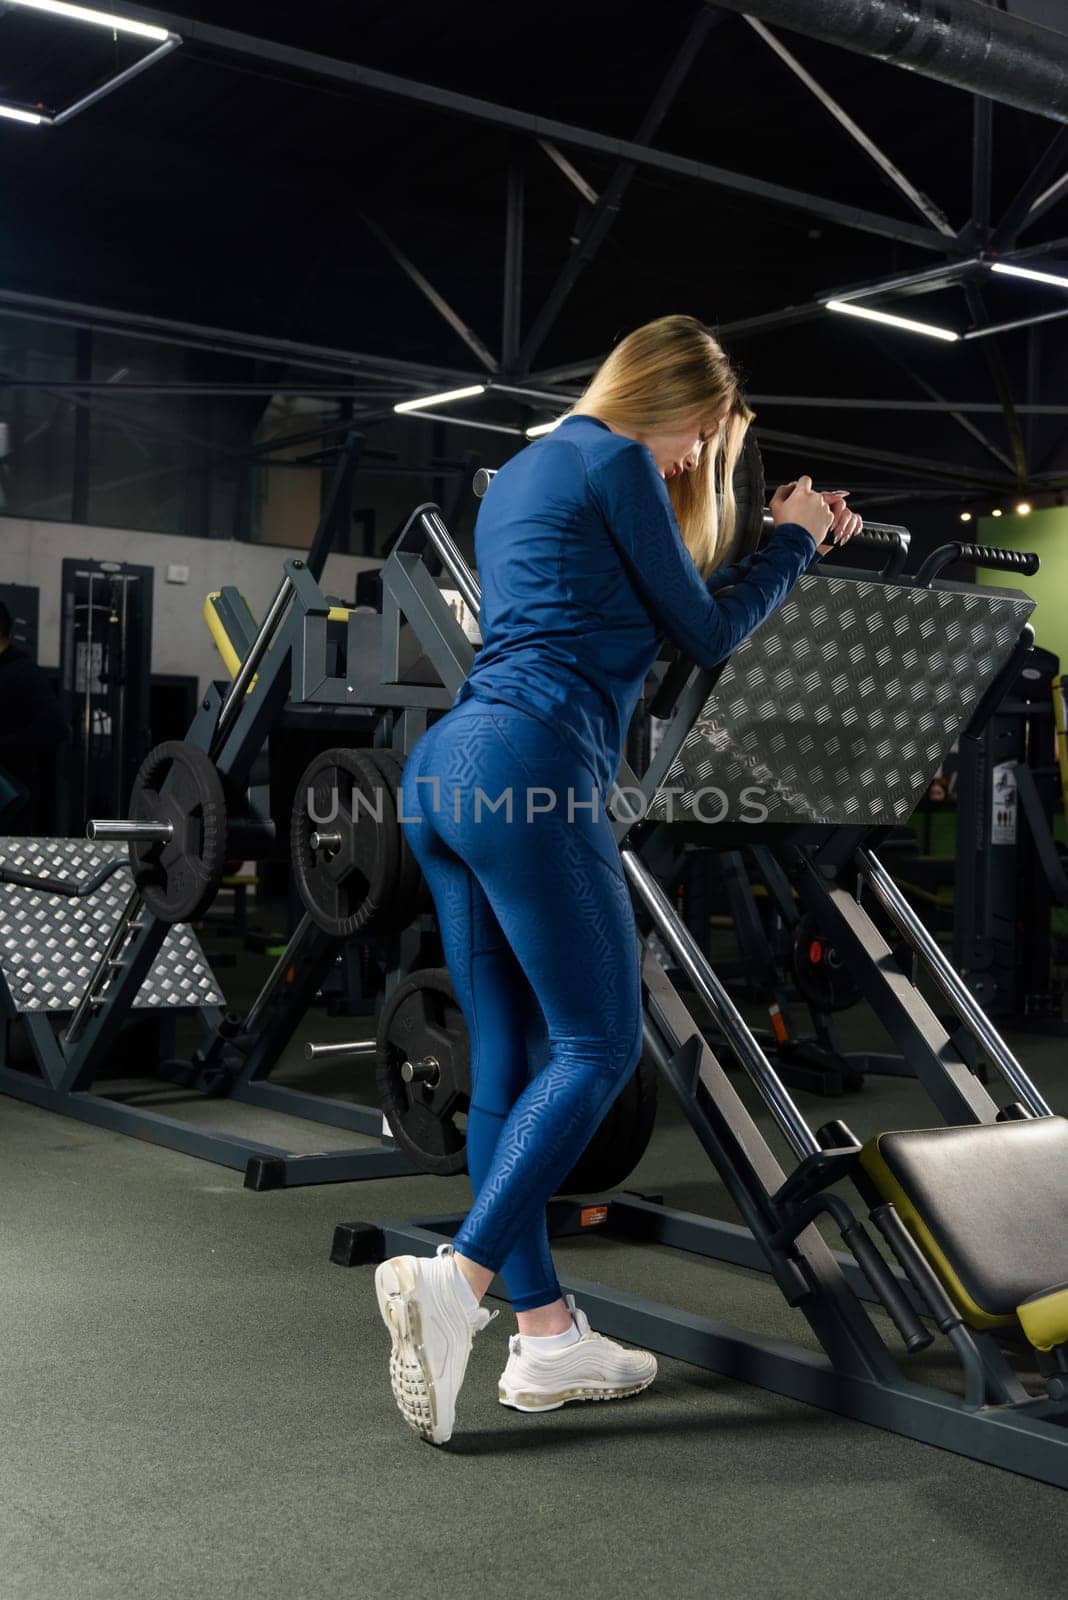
176	832
749	727
821	974
354	871
1008	870
424	1084
424	1071
105	665
178	843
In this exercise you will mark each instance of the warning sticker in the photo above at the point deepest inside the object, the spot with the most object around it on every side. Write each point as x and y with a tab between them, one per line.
1003	804
593	1216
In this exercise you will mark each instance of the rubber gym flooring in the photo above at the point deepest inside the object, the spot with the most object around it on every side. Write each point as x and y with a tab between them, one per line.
196	1404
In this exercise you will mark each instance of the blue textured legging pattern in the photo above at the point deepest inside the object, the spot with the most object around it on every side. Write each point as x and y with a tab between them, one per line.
540	941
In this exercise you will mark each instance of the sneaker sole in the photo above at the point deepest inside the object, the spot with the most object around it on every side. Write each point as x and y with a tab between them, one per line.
553	1402
409	1375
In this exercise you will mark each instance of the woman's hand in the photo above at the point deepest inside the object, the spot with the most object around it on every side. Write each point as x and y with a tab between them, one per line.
846	523
798	502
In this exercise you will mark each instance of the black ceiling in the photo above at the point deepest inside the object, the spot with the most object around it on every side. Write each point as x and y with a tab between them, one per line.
219	190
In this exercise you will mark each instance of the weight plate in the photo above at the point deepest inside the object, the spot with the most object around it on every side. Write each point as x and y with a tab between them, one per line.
421	1020
749	501
749	497
348	884
819	971
408	897
178	783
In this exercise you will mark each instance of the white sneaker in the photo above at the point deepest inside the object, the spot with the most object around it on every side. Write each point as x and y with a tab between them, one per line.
593	1368
432	1329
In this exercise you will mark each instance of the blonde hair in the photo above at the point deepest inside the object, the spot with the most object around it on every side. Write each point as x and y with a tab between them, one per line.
659	376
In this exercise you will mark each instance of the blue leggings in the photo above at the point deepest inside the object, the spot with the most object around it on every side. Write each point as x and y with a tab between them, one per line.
540	941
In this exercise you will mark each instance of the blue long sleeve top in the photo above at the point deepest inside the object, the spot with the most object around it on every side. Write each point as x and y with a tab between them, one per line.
584	571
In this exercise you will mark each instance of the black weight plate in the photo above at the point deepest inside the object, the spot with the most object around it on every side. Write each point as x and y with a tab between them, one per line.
178	783
348	889
422	1018
819	971
749	499
408	899
421	1009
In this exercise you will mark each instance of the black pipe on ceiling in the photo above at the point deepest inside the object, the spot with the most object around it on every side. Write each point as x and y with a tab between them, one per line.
968	43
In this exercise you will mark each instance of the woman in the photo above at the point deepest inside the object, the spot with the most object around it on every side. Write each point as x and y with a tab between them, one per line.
591	545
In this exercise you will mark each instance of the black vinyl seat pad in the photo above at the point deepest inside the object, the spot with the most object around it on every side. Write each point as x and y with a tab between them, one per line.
843	704
994	1197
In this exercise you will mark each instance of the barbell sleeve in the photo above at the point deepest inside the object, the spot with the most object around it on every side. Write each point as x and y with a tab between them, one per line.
339	1049
125	830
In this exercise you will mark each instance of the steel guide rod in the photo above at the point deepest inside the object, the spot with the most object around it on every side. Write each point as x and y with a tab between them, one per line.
249	667
694	963
453	561
952	985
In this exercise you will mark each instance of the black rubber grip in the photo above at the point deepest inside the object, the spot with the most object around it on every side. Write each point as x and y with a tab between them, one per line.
881	536
884	537
984	555
977	555
63	886
887	1287
916	1267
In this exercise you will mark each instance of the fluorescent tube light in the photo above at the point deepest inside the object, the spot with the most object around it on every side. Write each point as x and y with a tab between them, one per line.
441	399
1010	271
543	427
20	116
851	309
101	19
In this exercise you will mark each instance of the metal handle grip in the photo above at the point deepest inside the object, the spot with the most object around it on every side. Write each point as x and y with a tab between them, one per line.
482	480
979	555
883	536
63	886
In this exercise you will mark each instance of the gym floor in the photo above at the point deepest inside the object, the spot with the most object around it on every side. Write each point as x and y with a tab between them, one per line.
197	1404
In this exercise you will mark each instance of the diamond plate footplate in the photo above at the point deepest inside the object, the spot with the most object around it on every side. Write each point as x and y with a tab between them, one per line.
843	704
49	945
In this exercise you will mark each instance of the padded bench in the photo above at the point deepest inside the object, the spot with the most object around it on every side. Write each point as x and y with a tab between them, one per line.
988	1206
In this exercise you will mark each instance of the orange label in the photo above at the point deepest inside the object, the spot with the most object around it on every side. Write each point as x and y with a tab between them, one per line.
593	1216
782	1033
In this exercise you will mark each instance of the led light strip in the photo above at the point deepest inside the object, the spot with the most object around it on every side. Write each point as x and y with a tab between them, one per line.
15	115
851	309
440	399
1059	281
100	19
